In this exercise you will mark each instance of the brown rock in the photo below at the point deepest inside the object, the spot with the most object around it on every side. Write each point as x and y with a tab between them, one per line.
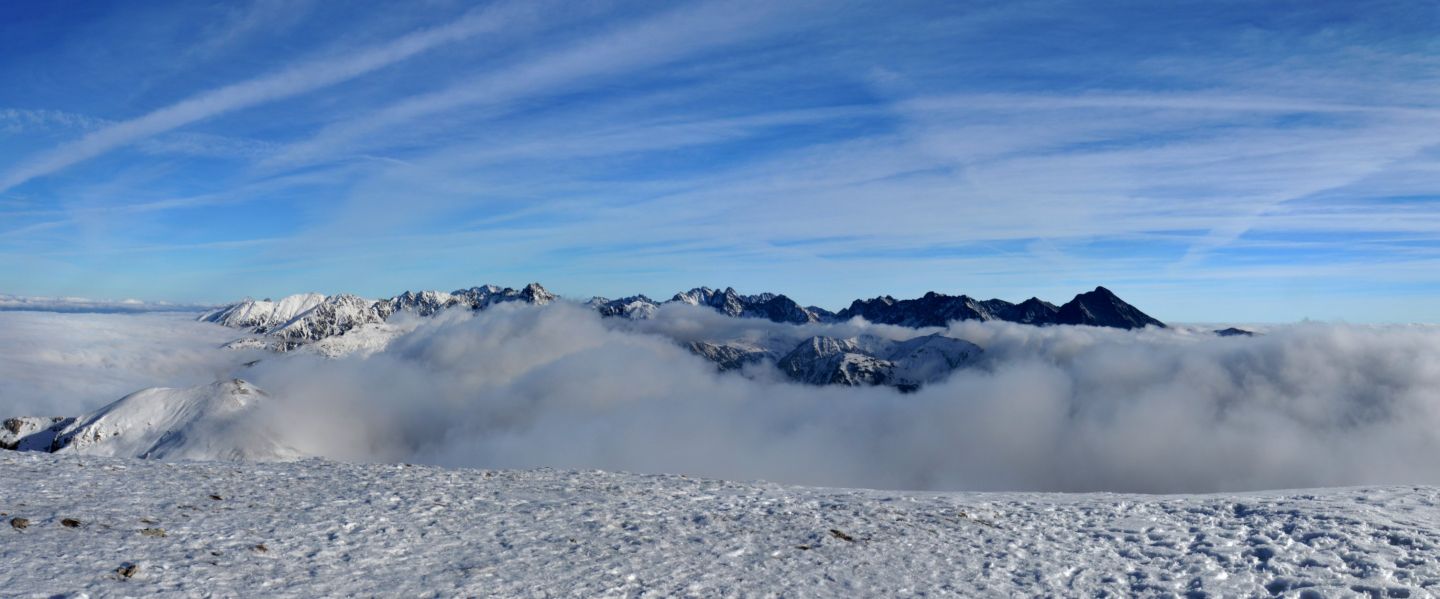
20	523
127	570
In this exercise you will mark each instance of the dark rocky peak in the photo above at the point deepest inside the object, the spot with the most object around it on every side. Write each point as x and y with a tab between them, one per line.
1103	308
1031	311
536	294
930	310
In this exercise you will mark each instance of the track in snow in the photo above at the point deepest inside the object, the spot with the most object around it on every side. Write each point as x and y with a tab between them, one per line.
337	529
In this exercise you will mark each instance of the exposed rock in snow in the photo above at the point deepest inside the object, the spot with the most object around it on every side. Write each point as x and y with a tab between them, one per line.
857	361
254	343
929	358
732	355
770	306
428	303
31	433
830	361
361	341
422	303
210	422
330	318
633	307
312	317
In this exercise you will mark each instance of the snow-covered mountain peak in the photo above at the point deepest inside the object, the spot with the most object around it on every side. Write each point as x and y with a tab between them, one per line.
208	422
634	307
536	294
870	360
770	306
260	316
336	315
304	319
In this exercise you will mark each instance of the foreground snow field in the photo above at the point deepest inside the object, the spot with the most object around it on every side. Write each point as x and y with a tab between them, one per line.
106	526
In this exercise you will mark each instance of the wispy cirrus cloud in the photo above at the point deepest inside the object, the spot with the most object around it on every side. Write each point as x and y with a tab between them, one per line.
672	36
291	81
1008	149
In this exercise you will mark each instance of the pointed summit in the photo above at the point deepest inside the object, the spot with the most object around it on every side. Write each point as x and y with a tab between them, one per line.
1103	308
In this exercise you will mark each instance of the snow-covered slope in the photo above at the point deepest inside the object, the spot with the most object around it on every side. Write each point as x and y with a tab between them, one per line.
770	306
110	527
634	307
262	315
333	317
869	360
429	303
301	320
361	341
732	355
210	422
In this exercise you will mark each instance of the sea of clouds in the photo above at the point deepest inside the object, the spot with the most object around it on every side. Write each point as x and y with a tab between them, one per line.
1053	408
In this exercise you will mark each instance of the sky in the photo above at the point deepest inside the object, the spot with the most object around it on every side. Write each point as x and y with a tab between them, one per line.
1208	161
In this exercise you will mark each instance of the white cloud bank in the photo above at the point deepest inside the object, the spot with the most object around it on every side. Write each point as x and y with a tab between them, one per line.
82	304
1058	408
54	364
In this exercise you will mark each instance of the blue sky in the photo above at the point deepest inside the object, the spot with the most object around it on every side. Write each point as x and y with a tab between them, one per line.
1209	161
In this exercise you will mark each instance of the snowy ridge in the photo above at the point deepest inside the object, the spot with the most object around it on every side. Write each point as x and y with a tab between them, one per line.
866	360
852	361
262	315
770	306
210	422
333	317
299	320
633	307
306	529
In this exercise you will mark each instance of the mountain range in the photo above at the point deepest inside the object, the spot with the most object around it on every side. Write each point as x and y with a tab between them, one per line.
218	421
298	320
344	324
1100	307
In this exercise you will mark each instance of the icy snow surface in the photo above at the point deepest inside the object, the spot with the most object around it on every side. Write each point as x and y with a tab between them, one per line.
316	528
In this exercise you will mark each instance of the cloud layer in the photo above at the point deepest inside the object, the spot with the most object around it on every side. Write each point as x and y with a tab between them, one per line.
81	304
1057	408
55	364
